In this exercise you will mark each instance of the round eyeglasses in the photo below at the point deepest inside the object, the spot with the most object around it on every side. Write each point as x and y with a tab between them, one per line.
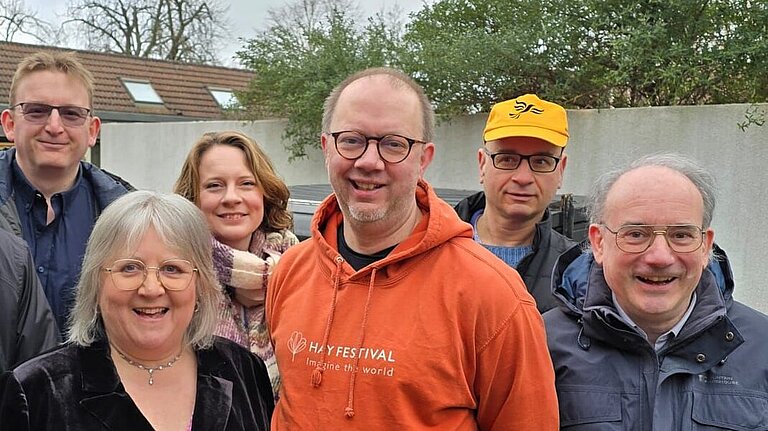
637	238
38	113
172	274
392	148
541	163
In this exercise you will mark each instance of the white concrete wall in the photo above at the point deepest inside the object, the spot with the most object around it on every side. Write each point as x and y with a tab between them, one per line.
150	156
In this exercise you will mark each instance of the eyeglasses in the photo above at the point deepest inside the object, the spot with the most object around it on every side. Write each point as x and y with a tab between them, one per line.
172	274
392	148
38	113
510	161
684	238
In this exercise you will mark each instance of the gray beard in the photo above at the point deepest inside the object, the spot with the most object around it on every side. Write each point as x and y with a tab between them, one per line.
367	216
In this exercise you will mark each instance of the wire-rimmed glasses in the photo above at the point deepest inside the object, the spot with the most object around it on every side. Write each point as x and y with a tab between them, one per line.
392	148
637	238
172	274
38	113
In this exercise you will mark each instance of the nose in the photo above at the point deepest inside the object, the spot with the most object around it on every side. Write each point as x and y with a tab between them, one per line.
370	159
152	286
54	124
659	253
523	174
231	194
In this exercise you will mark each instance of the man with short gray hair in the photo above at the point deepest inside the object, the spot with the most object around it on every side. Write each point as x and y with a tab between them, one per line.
648	336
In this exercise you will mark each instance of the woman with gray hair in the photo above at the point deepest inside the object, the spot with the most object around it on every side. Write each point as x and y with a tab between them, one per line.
140	353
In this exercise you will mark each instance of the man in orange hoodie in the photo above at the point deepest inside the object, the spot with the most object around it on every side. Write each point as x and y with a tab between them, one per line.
391	316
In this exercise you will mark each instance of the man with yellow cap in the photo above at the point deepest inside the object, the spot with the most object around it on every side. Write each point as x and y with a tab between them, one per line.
521	162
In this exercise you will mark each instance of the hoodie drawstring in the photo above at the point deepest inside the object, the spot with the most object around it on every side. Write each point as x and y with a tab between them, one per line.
317	373
349	411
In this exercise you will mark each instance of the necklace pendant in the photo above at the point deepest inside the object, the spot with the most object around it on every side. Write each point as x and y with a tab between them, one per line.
149	370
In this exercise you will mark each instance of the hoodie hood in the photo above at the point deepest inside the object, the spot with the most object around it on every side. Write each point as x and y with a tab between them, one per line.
571	276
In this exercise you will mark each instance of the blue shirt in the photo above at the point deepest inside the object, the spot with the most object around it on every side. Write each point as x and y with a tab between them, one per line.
511	255
57	248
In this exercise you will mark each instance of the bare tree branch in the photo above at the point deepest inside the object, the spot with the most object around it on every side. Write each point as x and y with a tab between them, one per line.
301	18
16	19
180	30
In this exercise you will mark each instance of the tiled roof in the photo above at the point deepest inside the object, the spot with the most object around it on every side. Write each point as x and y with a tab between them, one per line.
183	87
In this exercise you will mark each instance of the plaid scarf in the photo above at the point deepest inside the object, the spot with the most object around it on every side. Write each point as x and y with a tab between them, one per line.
249	271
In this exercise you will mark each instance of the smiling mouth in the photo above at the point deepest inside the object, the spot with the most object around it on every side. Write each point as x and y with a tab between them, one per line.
232	216
151	312
656	281
366	186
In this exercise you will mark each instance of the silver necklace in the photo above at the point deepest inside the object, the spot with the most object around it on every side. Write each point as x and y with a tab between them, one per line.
149	370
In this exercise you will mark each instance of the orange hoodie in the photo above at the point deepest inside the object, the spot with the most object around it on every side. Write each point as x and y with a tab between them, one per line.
438	335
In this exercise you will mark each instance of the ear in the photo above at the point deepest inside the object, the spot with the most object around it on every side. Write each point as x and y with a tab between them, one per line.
561	167
481	161
596	240
93	130
427	154
8	124
323	141
709	240
324	145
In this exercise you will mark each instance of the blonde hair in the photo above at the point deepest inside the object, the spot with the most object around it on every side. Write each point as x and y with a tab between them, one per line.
53	61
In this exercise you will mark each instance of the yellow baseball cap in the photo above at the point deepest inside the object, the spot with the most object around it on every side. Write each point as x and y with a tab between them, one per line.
528	116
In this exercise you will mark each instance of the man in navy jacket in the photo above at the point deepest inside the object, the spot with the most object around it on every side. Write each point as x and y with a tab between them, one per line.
48	195
648	336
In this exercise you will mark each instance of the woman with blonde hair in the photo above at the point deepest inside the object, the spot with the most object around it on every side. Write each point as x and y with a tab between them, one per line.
230	178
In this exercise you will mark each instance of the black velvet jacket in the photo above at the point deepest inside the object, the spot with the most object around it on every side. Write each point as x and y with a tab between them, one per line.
75	388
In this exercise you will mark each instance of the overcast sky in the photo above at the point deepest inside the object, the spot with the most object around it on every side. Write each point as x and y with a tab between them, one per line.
245	16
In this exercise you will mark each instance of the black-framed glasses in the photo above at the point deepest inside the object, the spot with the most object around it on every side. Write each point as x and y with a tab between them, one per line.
637	238
541	163
392	148
172	274
38	113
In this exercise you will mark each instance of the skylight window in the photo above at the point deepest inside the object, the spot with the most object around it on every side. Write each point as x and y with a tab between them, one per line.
225	98
142	91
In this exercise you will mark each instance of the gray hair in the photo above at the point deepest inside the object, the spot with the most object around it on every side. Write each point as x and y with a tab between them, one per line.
122	225
700	177
398	80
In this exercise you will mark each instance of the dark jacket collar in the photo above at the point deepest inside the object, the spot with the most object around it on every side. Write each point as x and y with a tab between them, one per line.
536	267
105	396
106	186
468	206
579	284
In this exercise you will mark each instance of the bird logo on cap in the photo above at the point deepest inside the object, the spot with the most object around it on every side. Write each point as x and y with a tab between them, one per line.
522	107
